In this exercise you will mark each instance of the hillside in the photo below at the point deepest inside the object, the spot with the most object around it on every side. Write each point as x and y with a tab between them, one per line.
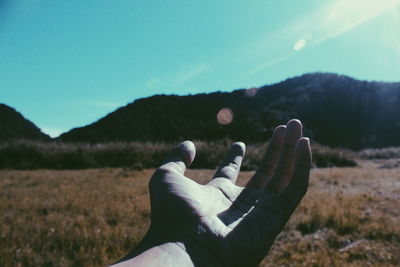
14	126
336	110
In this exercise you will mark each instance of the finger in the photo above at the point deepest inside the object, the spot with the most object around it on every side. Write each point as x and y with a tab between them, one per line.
285	166
270	159
298	184
180	157
230	166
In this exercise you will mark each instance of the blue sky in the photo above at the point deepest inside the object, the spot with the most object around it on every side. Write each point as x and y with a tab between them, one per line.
65	64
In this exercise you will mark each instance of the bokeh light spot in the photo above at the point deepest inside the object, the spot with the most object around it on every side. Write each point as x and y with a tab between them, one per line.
299	44
250	92
225	116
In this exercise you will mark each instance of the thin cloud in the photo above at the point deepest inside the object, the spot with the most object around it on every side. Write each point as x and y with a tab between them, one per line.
326	22
267	64
178	78
189	73
342	16
153	83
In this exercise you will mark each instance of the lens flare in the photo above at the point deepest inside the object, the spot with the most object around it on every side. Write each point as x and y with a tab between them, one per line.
299	44
250	92
225	116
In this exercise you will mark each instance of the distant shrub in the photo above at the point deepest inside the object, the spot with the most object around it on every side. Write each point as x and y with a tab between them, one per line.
324	156
24	154
380	153
210	154
34	155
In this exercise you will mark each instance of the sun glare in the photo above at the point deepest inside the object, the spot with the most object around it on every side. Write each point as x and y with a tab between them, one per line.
343	15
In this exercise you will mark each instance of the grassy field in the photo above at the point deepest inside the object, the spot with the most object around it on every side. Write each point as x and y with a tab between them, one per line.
350	216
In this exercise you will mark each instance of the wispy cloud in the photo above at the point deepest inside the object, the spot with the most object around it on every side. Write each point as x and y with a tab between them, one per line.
267	64
153	83
328	21
177	78
342	16
188	73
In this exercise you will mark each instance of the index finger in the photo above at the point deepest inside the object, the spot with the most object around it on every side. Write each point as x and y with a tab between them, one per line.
286	164
298	184
179	158
230	166
270	159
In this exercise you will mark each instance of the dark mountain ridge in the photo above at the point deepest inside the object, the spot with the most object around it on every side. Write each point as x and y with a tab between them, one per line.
15	126
336	110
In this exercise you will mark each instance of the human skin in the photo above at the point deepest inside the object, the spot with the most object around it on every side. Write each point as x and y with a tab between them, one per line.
220	223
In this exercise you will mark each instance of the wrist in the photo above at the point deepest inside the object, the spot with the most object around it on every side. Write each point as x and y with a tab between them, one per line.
199	252
166	255
173	250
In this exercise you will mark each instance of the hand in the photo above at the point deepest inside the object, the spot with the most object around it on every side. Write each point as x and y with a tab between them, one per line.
221	224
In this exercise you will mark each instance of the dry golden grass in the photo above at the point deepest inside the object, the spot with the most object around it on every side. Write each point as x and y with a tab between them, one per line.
350	216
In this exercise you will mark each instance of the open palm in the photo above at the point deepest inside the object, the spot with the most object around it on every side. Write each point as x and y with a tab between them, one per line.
223	224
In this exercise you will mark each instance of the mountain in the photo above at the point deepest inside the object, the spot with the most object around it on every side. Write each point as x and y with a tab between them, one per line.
14	126
336	110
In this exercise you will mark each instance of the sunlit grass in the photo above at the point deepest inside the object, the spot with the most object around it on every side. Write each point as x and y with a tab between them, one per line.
92	217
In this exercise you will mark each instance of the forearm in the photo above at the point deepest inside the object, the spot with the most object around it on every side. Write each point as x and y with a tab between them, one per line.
169	254
157	250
